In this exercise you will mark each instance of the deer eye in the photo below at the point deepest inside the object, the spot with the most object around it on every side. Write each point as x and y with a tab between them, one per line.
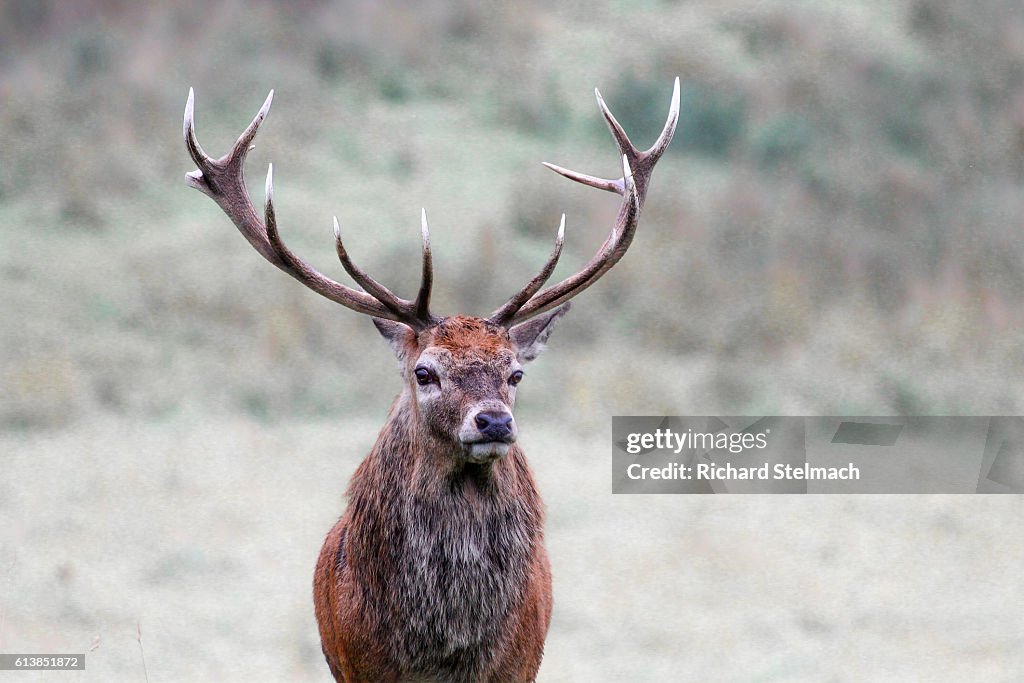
424	376
516	377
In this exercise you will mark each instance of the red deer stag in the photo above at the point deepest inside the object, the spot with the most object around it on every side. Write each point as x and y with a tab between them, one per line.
437	570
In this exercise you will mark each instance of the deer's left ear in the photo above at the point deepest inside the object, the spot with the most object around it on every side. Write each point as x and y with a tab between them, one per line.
530	337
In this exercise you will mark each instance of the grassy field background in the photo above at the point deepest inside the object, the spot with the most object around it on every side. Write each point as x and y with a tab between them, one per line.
835	230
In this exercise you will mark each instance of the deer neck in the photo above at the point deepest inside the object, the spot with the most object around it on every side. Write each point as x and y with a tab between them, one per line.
452	540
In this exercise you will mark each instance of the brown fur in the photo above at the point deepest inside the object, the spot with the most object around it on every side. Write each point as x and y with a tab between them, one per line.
464	335
437	570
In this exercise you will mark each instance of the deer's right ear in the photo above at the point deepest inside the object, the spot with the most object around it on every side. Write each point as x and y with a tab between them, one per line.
400	336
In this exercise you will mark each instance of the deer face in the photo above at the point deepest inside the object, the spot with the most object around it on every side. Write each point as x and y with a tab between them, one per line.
463	373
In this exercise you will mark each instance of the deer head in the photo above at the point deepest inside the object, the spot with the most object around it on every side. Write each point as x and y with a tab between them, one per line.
461	375
460	372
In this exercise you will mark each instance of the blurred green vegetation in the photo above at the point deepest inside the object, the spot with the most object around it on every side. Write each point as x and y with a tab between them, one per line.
835	229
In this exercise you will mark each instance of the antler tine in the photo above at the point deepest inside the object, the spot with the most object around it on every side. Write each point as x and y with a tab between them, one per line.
244	142
669	130
504	314
621	139
374	288
223	180
427	274
195	150
615	186
636	172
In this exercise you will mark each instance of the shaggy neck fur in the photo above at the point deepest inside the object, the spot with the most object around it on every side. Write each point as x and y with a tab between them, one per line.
442	545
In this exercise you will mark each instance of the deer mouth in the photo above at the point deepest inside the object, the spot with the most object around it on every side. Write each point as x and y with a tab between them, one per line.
486	451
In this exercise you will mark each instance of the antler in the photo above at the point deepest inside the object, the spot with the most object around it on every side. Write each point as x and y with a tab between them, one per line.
636	175
223	181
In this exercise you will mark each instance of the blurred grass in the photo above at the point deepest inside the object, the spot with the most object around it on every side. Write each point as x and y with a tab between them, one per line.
835	225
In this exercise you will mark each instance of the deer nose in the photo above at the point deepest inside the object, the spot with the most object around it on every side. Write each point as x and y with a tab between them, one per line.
494	425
